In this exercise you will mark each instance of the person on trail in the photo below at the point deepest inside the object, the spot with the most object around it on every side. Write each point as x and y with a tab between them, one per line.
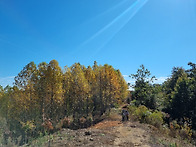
125	115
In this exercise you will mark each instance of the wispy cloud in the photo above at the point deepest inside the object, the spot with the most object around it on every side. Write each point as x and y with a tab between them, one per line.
159	80
129	79
4	81
125	76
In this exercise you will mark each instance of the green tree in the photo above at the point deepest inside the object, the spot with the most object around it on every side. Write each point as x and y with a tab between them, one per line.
192	75
181	100
169	87
181	94
159	96
143	87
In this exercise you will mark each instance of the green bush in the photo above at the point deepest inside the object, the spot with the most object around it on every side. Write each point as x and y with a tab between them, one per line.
145	115
131	109
141	113
155	119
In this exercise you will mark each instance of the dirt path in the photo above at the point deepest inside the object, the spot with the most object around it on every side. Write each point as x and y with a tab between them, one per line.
129	135
126	133
108	133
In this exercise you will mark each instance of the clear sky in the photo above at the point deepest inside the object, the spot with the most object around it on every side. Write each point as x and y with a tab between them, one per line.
160	34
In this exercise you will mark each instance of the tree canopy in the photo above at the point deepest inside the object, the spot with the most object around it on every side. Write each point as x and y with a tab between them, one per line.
47	93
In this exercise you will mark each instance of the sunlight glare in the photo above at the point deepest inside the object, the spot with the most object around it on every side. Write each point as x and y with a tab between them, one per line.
118	24
121	20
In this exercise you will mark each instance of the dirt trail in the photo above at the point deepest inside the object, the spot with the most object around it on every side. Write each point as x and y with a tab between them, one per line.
108	133
130	135
126	133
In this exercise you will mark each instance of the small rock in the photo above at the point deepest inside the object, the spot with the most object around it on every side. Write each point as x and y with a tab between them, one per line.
88	133
137	144
91	139
133	126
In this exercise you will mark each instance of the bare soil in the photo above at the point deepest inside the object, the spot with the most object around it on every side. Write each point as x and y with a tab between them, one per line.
111	133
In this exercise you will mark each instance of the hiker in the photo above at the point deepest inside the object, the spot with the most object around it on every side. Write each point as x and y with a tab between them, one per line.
125	115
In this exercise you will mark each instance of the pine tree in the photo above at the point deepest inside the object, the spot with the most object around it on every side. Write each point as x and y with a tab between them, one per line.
180	105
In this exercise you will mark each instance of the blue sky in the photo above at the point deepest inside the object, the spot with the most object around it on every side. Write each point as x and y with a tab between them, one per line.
160	34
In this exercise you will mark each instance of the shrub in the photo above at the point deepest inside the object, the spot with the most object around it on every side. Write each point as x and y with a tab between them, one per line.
155	119
144	115
141	113
174	128
48	126
82	122
66	122
186	131
28	127
131	109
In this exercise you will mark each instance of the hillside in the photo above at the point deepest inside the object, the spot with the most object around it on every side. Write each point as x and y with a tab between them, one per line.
111	132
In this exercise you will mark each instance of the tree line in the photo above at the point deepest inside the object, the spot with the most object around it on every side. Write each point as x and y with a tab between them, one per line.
48	93
176	96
